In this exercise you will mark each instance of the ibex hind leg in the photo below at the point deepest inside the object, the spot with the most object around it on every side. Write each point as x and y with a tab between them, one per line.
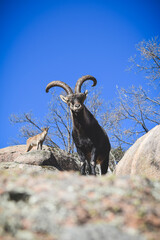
104	166
98	169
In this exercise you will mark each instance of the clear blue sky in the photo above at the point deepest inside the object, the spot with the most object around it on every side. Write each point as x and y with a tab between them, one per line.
42	41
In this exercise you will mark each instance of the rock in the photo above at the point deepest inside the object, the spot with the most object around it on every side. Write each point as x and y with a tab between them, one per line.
39	158
143	158
8	154
48	156
12	166
96	232
65	206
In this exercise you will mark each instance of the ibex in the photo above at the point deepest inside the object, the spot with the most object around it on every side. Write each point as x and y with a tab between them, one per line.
37	140
91	140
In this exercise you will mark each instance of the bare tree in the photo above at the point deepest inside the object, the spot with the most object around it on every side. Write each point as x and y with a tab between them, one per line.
29	128
60	121
137	110
148	59
132	116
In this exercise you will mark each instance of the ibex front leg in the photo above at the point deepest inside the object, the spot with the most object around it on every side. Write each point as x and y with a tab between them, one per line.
92	168
40	145
83	161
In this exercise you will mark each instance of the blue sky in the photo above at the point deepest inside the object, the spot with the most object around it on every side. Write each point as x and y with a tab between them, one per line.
44	40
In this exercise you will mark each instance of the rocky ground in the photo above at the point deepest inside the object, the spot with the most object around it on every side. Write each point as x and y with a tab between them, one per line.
42	203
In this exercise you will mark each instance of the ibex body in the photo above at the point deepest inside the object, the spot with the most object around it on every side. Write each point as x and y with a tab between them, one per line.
37	140
91	140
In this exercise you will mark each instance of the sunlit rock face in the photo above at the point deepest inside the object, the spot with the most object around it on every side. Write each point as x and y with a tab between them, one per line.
143	158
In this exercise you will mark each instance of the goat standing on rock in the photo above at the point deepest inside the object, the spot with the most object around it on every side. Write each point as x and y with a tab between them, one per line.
91	140
37	140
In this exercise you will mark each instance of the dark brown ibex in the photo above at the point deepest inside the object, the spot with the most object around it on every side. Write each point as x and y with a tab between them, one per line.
91	140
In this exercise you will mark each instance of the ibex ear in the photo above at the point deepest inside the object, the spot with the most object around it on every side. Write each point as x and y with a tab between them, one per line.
64	99
86	93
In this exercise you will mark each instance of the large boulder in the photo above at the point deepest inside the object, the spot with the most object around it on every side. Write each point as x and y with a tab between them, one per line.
143	158
8	154
43	157
48	156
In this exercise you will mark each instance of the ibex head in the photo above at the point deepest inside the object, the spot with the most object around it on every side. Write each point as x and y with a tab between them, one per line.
74	100
45	129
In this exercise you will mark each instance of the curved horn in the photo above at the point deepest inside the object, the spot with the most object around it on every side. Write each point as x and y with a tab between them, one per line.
81	80
59	84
